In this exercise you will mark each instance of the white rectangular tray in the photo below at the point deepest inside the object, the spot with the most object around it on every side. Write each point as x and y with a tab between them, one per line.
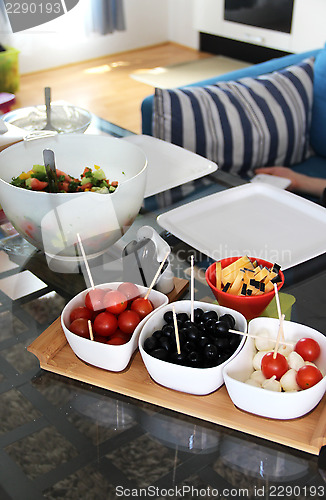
169	165
254	219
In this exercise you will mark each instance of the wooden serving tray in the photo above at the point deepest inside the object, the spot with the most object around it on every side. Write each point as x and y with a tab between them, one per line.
307	433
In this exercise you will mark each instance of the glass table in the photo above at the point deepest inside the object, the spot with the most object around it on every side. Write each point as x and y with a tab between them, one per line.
65	439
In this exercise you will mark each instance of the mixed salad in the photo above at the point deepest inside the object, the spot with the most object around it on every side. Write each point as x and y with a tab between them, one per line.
90	180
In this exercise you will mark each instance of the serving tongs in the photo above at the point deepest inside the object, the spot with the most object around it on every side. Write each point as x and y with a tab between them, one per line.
49	163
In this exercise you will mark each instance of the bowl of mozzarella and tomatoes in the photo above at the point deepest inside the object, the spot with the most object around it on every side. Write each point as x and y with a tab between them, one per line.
283	382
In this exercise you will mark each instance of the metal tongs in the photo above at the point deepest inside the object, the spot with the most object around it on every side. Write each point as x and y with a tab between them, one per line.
49	163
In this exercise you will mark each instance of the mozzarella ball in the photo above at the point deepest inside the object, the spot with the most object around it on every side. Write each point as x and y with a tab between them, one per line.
250	381
258	376
310	363
271	384
264	342
285	349
295	361
289	382
256	362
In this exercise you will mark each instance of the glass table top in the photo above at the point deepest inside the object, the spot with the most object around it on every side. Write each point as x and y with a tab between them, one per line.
65	439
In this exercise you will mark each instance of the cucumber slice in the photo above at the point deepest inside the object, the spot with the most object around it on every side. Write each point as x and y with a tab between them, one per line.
99	174
39	169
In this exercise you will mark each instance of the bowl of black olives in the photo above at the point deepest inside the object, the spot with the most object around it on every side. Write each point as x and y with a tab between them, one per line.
193	363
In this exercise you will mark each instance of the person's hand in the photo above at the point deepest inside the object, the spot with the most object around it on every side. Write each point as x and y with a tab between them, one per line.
298	181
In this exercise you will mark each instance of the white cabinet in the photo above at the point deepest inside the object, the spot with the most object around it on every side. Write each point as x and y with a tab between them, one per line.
308	26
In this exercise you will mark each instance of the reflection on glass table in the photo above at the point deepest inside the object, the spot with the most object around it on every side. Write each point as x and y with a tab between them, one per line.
62	438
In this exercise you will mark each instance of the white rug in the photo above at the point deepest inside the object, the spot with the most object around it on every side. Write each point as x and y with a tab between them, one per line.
185	73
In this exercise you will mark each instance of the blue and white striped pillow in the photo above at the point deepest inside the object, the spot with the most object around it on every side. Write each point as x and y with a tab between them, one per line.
241	124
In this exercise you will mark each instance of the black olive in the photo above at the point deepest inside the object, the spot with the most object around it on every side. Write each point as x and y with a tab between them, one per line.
190	323
166	343
221	328
194	358
198	314
203	340
182	317
201	326
210	352
192	335
229	319
221	342
234	340
224	357
189	346
190	326
168	330
157	334
168	317
160	353
150	344
183	334
210	315
178	359
210	325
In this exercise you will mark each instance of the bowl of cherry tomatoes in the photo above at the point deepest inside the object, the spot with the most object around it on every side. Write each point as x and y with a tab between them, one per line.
102	324
282	383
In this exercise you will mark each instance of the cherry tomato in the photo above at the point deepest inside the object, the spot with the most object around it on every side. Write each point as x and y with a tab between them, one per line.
80	312
128	320
130	290
142	306
105	324
125	336
274	366
94	299
98	338
115	302
308	349
308	376
116	340
80	327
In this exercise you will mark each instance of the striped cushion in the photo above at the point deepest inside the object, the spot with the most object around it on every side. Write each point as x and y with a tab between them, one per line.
241	124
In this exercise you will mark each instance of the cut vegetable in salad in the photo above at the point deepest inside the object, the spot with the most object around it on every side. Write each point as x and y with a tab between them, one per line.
90	180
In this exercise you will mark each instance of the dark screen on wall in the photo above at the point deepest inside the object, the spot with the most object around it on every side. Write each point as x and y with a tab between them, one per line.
269	14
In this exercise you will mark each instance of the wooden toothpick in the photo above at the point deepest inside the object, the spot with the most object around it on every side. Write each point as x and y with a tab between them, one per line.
90	329
258	337
279	312
279	335
176	330
192	288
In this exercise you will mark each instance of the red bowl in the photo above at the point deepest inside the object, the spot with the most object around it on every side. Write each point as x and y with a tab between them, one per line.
250	306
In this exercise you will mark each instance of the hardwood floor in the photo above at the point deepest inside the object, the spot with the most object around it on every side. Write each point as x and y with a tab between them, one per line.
103	85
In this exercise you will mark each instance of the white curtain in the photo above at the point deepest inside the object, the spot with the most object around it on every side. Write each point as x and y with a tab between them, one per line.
106	16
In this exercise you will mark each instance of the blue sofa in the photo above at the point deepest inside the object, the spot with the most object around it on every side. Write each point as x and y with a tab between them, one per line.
316	164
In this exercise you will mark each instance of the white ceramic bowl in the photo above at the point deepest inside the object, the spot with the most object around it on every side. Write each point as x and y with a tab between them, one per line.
278	405
64	117
197	381
51	221
109	357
